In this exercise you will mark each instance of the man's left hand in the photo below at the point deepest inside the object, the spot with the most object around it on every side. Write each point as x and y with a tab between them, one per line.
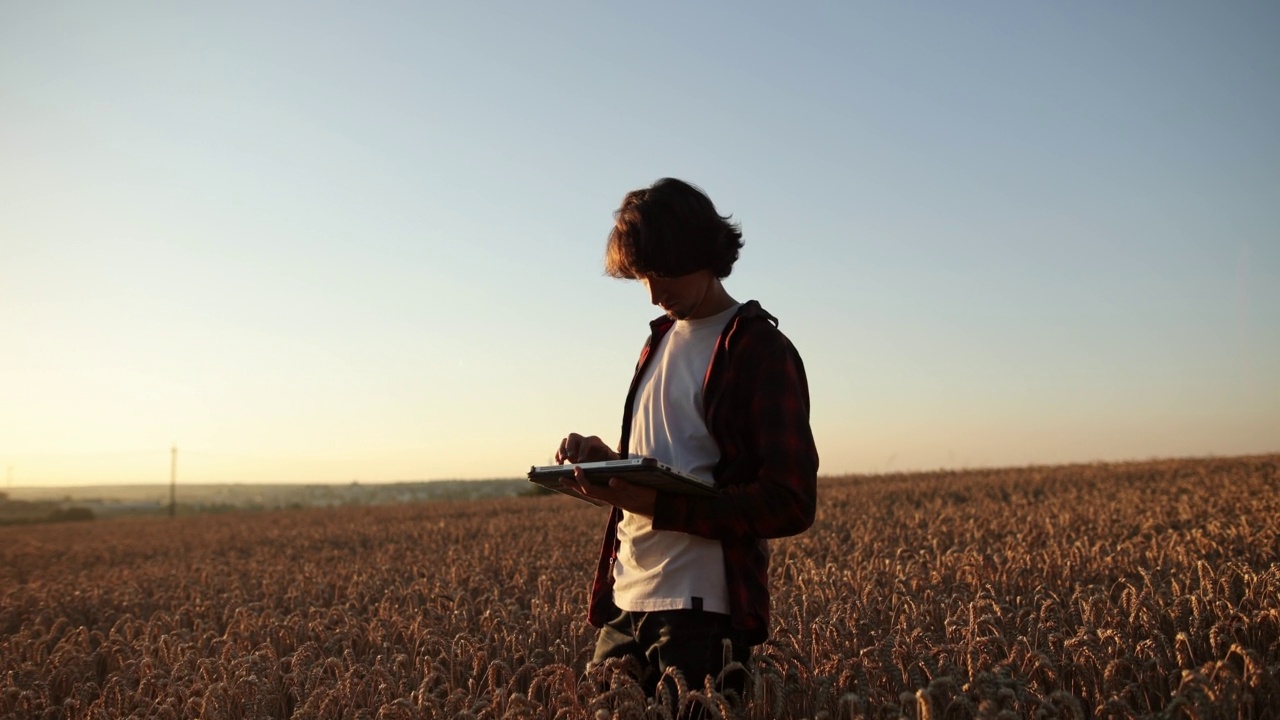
633	498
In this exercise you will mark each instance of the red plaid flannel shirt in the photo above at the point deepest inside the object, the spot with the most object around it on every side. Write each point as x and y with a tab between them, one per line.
756	403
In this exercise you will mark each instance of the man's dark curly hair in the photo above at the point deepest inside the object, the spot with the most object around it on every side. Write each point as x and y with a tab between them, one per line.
669	229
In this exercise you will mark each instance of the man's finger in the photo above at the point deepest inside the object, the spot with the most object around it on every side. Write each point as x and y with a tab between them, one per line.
569	448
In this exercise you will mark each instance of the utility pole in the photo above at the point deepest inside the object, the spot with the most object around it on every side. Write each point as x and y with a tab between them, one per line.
173	481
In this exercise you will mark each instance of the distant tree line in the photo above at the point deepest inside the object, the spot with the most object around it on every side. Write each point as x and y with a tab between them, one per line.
21	512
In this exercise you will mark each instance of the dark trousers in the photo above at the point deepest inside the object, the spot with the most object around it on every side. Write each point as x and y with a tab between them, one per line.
691	640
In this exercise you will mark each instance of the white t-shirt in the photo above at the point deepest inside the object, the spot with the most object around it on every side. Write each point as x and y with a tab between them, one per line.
662	569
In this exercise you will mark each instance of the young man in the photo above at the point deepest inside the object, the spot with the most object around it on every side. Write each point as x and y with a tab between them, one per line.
719	393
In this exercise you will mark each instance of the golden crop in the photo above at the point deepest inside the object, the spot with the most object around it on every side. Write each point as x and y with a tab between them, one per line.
1088	591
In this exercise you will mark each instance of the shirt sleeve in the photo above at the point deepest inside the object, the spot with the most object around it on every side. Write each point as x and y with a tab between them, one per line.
771	491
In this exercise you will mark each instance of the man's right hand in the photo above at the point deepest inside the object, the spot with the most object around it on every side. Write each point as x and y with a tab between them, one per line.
578	449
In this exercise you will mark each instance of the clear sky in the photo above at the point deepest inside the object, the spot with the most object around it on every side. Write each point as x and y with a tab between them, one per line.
321	242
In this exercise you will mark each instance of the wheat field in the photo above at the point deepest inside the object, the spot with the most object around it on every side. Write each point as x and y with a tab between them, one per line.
1088	591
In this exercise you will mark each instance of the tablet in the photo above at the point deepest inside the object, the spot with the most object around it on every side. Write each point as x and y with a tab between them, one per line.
642	471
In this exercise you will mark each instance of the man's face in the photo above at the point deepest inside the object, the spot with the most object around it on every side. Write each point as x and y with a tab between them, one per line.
682	297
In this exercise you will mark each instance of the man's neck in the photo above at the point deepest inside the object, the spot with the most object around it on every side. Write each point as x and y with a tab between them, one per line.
714	302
